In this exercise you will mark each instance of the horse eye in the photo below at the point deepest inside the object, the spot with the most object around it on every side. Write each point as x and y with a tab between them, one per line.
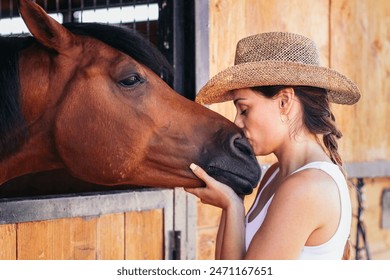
131	81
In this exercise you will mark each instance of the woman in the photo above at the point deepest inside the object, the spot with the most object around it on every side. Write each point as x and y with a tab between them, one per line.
302	209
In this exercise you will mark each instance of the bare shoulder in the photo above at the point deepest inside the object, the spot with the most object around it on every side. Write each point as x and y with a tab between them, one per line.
309	183
310	194
306	202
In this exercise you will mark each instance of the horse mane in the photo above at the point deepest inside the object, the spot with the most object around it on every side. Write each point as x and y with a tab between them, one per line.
13	131
129	42
12	127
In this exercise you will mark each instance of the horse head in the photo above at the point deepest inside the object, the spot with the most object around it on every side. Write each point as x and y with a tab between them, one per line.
92	100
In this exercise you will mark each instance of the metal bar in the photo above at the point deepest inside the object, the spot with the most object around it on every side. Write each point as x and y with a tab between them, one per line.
11	8
369	169
361	231
201	43
67	11
17	210
134	23
148	23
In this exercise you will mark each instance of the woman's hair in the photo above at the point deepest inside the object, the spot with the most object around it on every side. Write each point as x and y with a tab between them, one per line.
317	116
319	120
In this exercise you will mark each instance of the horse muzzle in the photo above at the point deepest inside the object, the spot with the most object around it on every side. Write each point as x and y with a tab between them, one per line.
236	165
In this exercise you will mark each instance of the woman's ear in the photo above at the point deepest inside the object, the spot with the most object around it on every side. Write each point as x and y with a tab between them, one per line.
286	97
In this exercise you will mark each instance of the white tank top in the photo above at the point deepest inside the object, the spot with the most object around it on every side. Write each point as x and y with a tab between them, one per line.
333	249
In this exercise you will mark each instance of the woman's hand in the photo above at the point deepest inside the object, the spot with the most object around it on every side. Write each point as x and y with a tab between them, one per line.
215	193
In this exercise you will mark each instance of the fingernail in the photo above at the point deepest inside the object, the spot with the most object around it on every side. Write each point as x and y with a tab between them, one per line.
193	166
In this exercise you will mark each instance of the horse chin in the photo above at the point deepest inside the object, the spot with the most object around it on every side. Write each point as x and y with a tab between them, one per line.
240	184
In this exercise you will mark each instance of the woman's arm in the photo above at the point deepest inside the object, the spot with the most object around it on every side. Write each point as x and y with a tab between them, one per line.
299	211
221	230
231	232
233	239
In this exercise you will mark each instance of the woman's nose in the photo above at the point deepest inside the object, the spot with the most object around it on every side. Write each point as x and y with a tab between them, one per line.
238	121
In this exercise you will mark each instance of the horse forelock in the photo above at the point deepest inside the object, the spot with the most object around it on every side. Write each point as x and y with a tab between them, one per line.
12	126
129	42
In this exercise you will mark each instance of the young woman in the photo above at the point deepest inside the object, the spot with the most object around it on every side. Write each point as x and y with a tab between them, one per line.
302	209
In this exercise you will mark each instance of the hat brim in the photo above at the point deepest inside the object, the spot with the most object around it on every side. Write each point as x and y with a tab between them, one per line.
218	89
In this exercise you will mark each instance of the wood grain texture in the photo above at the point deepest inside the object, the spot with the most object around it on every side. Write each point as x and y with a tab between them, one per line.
8	242
46	240
206	243
360	49
144	235
132	235
111	237
62	239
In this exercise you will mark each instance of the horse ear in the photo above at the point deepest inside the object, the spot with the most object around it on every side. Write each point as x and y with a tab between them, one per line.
45	29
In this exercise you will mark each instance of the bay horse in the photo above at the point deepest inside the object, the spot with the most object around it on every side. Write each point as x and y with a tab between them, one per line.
92	99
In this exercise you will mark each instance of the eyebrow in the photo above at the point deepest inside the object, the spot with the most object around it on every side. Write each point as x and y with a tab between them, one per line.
238	99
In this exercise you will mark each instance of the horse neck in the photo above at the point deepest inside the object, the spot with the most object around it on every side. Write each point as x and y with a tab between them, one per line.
34	156
38	152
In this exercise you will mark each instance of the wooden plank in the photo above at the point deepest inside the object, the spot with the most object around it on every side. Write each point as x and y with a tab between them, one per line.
8	242
92	238
208	216
111	237
44	240
360	49
18	210
62	239
232	20
83	238
144	235
206	243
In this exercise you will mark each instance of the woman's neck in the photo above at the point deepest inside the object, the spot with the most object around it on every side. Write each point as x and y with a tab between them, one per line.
298	151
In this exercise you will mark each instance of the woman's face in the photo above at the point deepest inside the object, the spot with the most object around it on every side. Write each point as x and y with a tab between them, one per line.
259	118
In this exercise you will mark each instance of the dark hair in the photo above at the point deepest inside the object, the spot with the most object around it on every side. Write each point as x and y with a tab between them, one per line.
317	116
129	42
13	131
318	119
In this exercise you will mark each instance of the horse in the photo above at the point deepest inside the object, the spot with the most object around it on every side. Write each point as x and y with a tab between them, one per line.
93	100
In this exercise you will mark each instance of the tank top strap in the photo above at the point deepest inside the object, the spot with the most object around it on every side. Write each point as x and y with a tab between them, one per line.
268	177
328	167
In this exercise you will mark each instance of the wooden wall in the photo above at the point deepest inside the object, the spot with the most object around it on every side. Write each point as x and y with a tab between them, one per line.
121	236
353	37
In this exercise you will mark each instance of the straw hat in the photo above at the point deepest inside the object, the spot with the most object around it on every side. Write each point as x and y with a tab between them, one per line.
277	58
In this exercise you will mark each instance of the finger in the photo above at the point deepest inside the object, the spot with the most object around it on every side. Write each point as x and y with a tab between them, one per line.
190	190
194	191
200	173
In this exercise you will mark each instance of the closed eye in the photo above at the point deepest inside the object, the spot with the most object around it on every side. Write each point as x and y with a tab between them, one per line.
131	81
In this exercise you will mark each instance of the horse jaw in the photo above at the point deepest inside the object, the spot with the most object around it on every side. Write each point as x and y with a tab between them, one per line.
35	155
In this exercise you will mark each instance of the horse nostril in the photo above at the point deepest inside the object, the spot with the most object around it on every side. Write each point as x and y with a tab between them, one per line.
241	145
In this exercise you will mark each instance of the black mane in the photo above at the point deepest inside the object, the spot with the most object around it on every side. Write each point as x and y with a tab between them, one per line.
12	126
129	42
